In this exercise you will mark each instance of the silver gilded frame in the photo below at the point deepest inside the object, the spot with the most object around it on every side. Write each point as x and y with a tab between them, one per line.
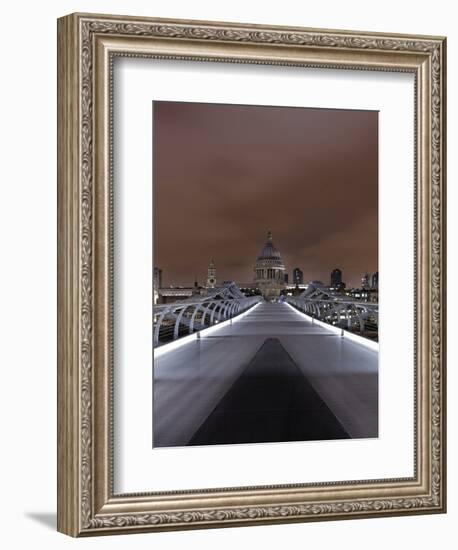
87	46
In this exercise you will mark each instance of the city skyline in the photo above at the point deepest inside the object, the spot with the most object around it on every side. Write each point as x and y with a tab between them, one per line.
289	279
226	174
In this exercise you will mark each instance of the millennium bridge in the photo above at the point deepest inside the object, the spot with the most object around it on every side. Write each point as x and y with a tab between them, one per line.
230	368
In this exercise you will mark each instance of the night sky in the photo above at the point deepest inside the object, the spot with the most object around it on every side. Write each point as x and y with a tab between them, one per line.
226	174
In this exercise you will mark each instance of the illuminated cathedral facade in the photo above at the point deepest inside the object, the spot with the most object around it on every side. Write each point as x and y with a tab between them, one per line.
269	270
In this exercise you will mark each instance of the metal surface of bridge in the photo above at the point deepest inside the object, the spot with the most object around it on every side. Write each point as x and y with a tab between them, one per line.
270	374
174	320
334	308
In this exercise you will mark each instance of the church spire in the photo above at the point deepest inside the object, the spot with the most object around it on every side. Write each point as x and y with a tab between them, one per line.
269	236
211	275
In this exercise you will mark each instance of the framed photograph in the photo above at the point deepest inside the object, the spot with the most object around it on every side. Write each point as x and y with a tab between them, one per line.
251	283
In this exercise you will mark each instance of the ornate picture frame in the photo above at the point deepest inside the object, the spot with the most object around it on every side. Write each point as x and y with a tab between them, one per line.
87	46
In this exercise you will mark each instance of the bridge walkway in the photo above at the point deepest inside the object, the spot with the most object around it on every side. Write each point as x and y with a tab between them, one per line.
271	375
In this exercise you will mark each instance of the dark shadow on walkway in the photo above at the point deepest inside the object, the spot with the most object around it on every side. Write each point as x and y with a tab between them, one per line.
271	401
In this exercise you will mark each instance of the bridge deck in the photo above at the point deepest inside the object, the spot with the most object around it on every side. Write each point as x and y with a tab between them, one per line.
212	385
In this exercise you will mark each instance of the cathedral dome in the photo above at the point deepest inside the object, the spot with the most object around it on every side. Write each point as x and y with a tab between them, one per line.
269	270
269	252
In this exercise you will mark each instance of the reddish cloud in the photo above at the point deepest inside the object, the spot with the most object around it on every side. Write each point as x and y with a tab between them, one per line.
225	174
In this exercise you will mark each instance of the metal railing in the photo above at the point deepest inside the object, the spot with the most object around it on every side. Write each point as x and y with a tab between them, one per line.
351	315
172	321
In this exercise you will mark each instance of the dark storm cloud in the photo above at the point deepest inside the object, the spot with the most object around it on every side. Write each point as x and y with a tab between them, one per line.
225	174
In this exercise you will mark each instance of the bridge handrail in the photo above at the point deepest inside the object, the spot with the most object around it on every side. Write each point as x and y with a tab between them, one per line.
212	311
356	303
177	305
328	309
